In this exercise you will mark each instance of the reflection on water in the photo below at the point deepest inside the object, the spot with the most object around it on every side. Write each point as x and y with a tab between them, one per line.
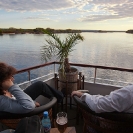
107	49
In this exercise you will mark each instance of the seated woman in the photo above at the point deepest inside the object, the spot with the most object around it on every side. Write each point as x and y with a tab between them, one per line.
120	100
14	100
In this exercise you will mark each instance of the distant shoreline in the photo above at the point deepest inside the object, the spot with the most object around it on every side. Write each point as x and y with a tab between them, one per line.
100	31
64	32
35	31
13	31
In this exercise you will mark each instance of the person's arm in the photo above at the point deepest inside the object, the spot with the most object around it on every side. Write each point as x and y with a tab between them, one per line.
22	104
119	100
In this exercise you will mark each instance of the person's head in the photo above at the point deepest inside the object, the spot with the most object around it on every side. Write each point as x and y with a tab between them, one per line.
6	72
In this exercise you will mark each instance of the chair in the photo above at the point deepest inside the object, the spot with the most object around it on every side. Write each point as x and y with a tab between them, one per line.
11	120
113	122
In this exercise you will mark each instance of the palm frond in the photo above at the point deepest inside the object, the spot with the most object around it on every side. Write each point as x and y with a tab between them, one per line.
58	47
48	51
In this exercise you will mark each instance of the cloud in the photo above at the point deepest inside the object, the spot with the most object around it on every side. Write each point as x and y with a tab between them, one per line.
35	5
40	19
83	10
109	9
99	17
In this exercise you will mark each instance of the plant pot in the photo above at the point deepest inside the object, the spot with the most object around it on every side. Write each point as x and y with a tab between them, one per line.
68	81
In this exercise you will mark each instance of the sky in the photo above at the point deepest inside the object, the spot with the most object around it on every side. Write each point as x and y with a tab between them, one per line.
67	14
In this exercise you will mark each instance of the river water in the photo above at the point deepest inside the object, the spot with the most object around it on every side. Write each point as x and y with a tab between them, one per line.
106	49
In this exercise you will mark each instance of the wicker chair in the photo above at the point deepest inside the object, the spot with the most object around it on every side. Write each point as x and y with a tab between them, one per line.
113	122
11	120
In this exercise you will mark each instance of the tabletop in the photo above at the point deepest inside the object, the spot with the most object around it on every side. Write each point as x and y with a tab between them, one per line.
68	130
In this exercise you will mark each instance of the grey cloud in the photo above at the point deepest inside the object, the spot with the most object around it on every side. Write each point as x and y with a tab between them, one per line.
40	19
105	2
34	5
114	10
98	10
100	17
36	18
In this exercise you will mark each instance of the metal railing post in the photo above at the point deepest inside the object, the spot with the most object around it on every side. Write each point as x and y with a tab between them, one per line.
95	75
29	75
54	67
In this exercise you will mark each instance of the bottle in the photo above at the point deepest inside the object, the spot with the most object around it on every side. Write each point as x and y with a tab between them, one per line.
46	122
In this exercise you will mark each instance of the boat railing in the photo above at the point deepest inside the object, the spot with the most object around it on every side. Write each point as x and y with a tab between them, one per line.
93	73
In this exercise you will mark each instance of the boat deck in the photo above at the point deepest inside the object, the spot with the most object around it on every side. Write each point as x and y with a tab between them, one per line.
94	88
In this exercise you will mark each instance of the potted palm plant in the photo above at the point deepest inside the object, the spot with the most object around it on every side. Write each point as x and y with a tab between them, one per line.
55	46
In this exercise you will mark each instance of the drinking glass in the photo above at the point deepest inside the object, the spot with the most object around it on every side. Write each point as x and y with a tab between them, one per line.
61	121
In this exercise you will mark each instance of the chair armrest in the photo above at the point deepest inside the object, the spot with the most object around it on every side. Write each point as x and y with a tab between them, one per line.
37	110
43	107
82	104
115	116
84	91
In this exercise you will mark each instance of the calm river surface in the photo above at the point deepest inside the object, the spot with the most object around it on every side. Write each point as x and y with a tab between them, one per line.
107	49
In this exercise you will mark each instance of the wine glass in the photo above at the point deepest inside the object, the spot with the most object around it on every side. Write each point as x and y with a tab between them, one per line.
61	121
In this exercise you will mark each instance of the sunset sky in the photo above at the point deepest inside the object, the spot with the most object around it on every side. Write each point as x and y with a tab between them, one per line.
67	14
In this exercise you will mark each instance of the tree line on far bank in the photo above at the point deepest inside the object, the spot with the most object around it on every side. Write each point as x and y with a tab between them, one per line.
129	31
35	31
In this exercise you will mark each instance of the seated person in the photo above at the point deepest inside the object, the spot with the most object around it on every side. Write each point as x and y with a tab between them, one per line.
120	100
14	100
